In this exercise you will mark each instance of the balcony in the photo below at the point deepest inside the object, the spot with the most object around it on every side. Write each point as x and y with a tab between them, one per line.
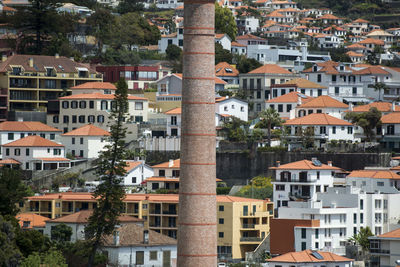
251	239
248	226
380	251
155	211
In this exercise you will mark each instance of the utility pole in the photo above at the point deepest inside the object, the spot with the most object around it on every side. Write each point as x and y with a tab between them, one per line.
197	231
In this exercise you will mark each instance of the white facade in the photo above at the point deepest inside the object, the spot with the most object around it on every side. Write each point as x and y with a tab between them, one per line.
84	146
224	40
330	41
136	175
174	122
232	107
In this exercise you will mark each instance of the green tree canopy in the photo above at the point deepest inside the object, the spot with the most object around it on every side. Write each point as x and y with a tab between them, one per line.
269	118
235	129
9	252
31	241
225	22
361	238
222	55
52	258
173	52
61	233
368	121
103	25
127	6
260	187
245	65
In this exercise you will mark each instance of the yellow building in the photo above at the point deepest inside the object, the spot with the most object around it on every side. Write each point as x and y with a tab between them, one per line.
29	81
243	223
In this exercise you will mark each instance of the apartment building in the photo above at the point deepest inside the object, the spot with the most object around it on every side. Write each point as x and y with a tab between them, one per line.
243	223
384	249
284	104
30	81
300	85
257	84
322	104
390	130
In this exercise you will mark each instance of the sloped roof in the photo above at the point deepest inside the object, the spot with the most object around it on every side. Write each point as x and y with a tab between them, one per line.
33	141
249	36
291	97
324	101
306	256
174	111
356	46
371	70
317	119
88	130
60	64
9	161
354	54
381	106
379	32
393	117
99	96
132	235
304	165
225	69
328	16
238	44
95	85
131	165
372	41
391	234
373	174
359	20
304	83
176	164
270	69
81	217
33	219
26	126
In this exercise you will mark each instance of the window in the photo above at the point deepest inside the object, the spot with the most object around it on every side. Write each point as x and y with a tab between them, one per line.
355	218
361	218
241	109
361	204
316	233
27	165
322	130
318	175
244	82
91	104
288	107
52	136
334	129
385	204
65	104
82	119
138	105
56	151
280	187
10	136
81	140
55	119
153	255
350	130
161	173
272	81
336	90
316	245
303	246
104	105
221	234
82	104
91	119
280	108
74	104
354	90
74	119
318	188
380	183
221	221
303	233
378	203
73	140
221	208
319	78
81	153
7	152
27	151
66	119
17	152
139	257
100	118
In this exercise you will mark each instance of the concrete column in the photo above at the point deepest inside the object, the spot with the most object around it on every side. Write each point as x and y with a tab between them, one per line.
197	234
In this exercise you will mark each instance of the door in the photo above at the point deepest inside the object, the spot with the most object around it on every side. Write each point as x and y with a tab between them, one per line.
166	258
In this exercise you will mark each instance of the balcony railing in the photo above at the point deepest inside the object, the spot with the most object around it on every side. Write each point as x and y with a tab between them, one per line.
379	251
247	226
251	239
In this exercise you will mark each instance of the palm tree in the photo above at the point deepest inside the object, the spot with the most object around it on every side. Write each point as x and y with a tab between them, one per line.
379	86
270	117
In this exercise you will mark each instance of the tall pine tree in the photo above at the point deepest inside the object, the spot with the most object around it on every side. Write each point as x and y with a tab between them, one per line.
110	193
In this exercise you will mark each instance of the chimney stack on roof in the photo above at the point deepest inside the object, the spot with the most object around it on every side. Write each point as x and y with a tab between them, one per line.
57	55
30	62
116	238
393	106
278	163
299	102
145	236
3	57
171	163
329	163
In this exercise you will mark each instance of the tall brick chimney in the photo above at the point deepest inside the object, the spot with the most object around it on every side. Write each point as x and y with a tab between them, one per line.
197	231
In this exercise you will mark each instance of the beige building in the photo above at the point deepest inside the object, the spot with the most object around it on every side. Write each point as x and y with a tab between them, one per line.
242	224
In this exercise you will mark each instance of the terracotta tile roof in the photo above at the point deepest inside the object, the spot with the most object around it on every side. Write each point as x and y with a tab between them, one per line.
131	165
33	141
304	165
225	69
275	14
317	119
172	35
95	85
53	159
381	106
328	66
391	234
292	97
328	16
371	70
132	235
26	126
99	96
324	101
354	54
397	168
396	158
374	174
356	46
304	83
176	164
270	69
361	21
219	35
249	36
393	117
237	44
88	130
174	111
306	256
9	161
61	64
9	9
33	219
372	41
81	217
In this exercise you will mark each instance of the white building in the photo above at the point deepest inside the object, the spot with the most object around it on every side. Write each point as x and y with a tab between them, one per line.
224	40
174	121
322	104
390	130
300	85
86	141
232	106
238	49
137	171
14	130
36	153
227	73
132	245
284	104
309	258
329	41
384	248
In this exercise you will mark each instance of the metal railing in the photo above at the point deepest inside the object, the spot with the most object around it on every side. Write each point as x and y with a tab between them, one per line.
247	226
251	239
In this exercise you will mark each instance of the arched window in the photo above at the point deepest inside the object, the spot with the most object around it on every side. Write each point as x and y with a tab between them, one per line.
104	105
82	104
65	104
55	119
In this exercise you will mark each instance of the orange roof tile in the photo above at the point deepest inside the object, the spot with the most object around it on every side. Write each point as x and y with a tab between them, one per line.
391	234
372	41
237	44
374	174
324	101
82	216
306	256
381	106
317	119
356	46
354	54
304	83
131	165
361	21
26	126
9	161
95	85
33	141
371	70
396	158
99	96
291	97
393	117
33	219
328	16
87	130
249	36
174	111
225	69
176	164
270	69
304	165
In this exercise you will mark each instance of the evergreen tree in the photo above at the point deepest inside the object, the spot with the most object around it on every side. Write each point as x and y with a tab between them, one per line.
225	22
269	118
110	169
